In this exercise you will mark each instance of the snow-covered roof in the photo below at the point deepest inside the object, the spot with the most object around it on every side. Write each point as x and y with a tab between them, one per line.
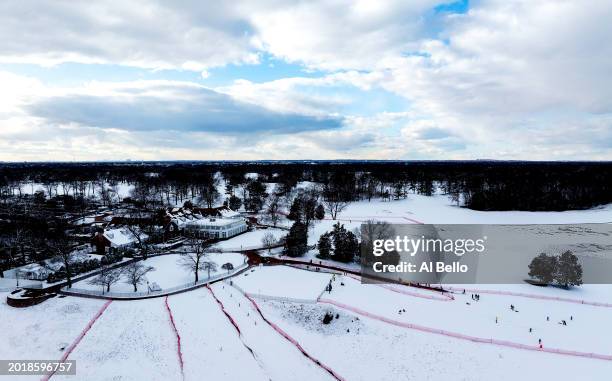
121	237
222	222
33	268
228	213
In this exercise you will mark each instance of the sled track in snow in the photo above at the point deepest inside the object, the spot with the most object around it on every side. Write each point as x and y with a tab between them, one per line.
231	319
292	340
460	336
178	337
76	342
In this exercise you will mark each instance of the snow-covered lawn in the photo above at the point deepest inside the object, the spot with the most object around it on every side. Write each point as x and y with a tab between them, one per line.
250	239
130	340
359	348
40	331
168	272
283	281
584	331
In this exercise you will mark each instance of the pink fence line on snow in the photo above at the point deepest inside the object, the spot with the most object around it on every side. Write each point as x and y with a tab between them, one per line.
444	297
294	342
532	296
231	319
467	337
178	337
76	342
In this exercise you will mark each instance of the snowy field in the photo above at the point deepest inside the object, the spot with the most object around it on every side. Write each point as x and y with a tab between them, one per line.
168	272
583	332
250	239
283	281
359	348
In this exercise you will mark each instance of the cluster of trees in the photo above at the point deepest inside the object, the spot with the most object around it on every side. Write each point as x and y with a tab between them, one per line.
482	185
564	270
306	207
72	267
339	244
133	274
304	210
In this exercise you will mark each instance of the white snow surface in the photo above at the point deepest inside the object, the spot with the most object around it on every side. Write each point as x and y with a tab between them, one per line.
283	281
168	272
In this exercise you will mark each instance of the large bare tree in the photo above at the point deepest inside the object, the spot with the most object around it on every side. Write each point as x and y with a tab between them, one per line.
106	278
194	258
135	274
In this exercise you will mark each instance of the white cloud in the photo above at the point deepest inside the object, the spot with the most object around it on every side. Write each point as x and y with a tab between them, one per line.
191	35
511	79
341	35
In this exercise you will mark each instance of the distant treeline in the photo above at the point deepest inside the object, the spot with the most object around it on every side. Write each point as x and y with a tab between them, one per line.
480	185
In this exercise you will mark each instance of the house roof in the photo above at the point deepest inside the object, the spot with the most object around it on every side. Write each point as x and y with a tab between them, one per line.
121	236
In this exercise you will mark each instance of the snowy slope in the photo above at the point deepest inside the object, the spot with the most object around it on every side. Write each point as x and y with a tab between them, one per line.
132	340
280	359
210	345
373	350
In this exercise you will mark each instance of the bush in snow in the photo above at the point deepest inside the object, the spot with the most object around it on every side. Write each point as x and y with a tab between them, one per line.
328	318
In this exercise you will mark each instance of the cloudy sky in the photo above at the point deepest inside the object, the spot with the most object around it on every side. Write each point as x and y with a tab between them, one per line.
329	79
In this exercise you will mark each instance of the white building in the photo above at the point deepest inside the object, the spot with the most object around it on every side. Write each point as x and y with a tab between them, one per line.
220	222
217	227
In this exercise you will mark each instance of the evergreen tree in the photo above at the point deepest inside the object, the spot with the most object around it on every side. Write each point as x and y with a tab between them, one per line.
235	202
309	205
295	211
324	246
296	243
257	196
569	271
543	268
320	212
345	243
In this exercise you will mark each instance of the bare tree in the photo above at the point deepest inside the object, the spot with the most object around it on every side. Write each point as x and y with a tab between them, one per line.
268	241
272	208
209	266
209	194
135	274
141	227
194	259
334	205
141	240
16	243
106	278
334	200
62	252
372	230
